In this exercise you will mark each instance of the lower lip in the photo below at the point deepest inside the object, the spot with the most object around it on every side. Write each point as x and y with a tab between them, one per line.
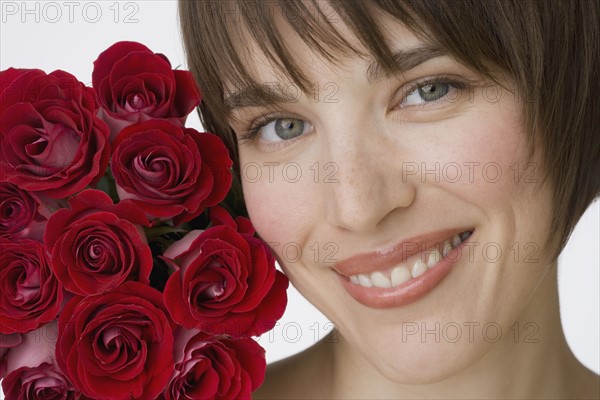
409	291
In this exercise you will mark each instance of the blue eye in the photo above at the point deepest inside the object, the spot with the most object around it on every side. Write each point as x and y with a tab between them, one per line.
280	129
427	93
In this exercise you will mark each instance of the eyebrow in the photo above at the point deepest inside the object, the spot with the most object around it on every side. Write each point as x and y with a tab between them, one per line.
404	61
272	93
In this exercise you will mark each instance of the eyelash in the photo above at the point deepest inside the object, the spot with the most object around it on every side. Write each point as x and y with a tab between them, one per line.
456	83
252	132
260	123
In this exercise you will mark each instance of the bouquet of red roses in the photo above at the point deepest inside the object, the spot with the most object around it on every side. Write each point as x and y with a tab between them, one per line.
123	275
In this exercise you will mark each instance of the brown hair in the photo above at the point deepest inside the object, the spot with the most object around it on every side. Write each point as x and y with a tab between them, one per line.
550	49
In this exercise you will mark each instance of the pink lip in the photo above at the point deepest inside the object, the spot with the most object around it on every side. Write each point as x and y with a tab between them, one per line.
392	255
409	291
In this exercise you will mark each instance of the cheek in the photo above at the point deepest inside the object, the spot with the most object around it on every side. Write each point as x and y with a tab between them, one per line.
280	211
484	158
497	177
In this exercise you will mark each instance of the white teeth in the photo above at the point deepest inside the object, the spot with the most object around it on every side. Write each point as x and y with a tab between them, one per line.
434	258
364	280
455	241
446	249
418	269
400	275
380	280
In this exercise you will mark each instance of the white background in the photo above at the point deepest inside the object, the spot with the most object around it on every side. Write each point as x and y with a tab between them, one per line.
69	35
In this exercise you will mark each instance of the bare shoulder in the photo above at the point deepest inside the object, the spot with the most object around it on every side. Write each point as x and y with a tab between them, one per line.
305	375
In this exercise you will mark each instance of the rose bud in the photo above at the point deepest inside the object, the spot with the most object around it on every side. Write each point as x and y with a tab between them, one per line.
97	245
225	281
169	171
51	140
30	294
117	345
134	84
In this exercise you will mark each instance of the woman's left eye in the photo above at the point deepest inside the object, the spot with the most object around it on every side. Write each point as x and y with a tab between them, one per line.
426	93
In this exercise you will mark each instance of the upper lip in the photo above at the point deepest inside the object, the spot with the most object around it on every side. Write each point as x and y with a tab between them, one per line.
394	254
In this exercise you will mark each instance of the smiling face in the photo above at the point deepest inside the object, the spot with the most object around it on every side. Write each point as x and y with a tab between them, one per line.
368	175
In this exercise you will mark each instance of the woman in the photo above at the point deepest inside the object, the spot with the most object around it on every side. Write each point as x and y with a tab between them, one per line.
428	161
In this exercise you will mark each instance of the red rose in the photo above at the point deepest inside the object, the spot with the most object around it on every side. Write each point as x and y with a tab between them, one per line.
134	85
7	77
226	281
20	214
96	245
117	345
30	295
50	138
45	381
32	373
209	367
170	171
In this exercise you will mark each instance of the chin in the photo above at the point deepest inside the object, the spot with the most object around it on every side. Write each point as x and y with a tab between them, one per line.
417	362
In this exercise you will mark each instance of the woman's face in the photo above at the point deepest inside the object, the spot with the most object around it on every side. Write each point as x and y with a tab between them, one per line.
355	183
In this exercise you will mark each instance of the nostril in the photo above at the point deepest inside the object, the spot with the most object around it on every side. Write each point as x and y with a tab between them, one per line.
363	204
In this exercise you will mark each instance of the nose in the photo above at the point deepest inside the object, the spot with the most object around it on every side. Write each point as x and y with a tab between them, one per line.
368	185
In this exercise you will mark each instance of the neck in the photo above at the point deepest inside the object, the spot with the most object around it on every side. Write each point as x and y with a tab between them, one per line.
539	365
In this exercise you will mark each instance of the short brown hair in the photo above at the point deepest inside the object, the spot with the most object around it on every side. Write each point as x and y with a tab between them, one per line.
550	49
